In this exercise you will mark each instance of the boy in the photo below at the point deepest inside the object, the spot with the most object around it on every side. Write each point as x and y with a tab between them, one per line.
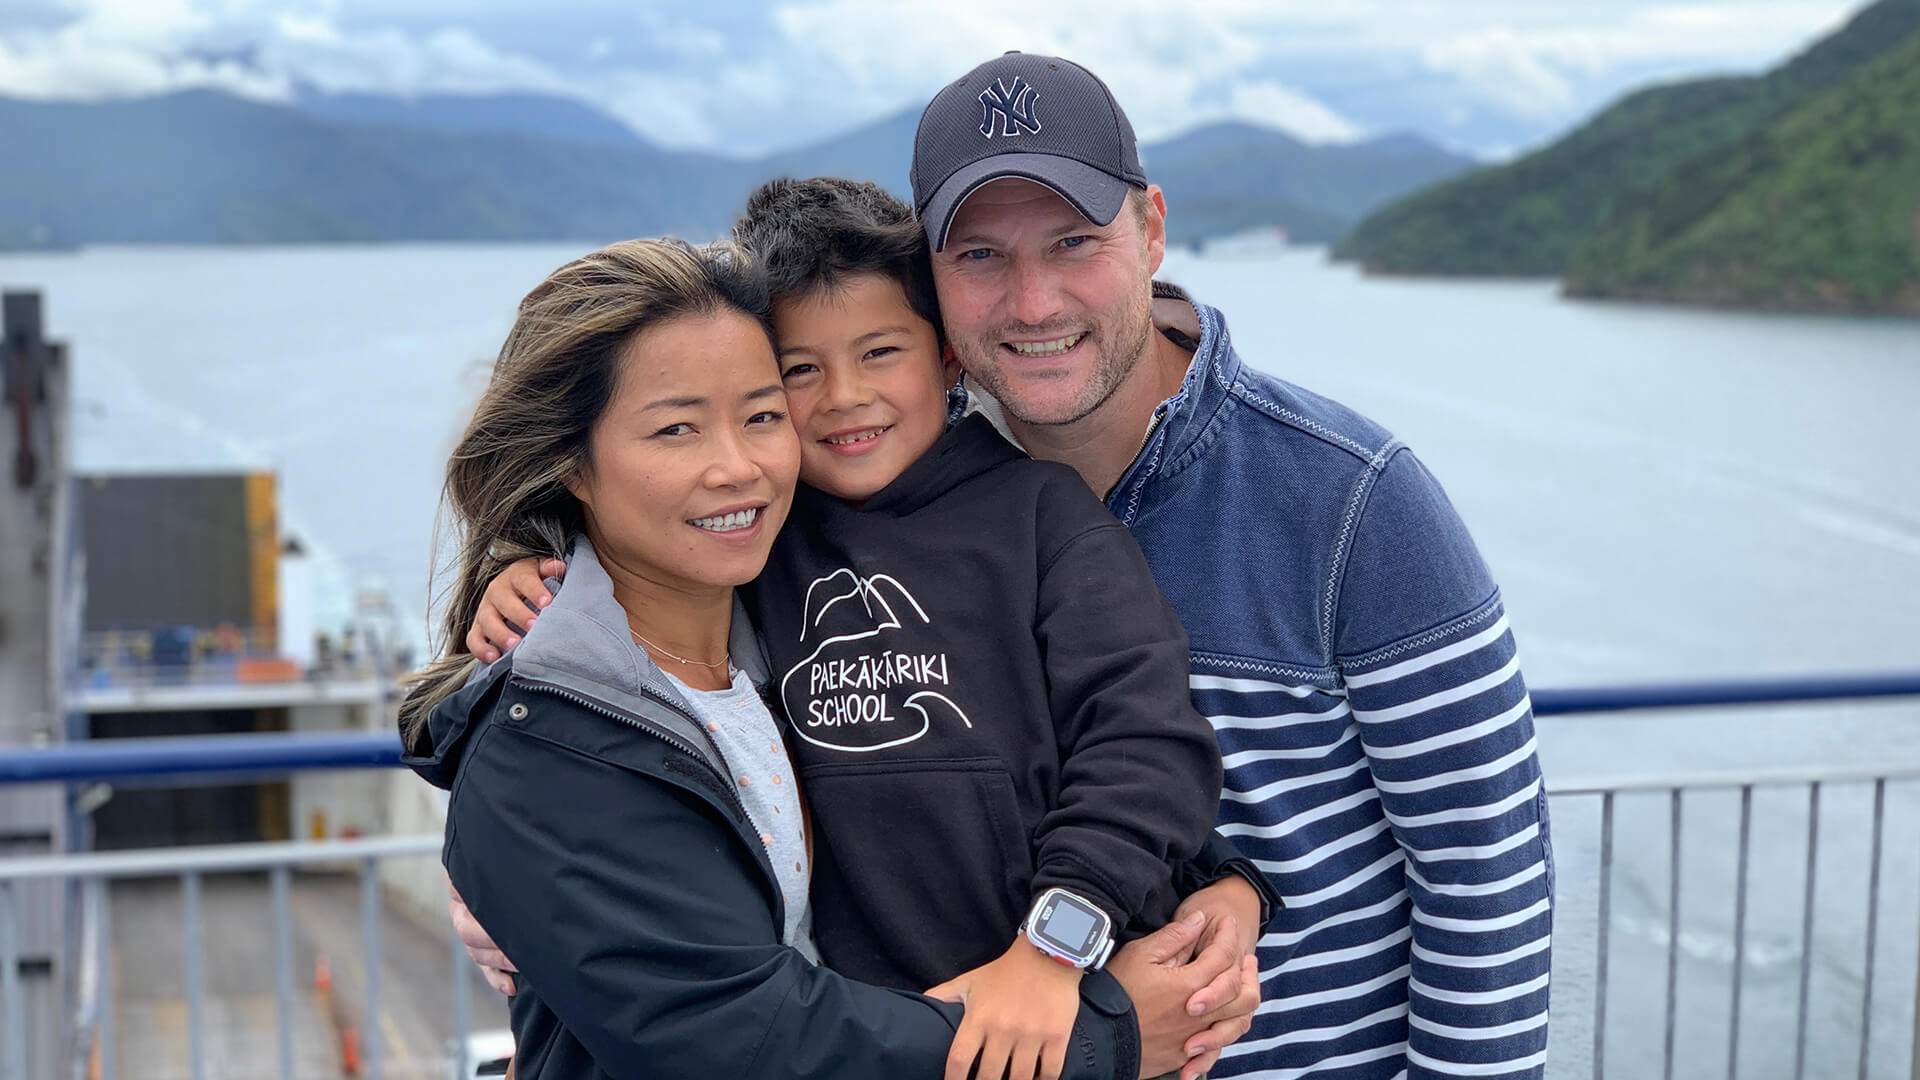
986	692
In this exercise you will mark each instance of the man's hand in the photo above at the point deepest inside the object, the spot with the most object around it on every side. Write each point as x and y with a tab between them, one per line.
512	602
1160	979
494	964
1019	1019
1232	910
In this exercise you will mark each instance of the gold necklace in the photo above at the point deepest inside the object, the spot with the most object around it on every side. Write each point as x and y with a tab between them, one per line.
722	662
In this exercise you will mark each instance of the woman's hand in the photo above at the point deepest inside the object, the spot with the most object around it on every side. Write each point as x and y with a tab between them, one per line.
1019	1021
512	602
494	965
1162	982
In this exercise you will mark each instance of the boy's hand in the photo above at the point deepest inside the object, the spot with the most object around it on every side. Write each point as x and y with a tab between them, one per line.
511	603
1019	1021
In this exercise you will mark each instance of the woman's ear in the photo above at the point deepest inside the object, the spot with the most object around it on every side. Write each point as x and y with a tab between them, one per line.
949	365
575	483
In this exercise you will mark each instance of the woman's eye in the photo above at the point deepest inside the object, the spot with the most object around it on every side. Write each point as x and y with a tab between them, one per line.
770	416
676	429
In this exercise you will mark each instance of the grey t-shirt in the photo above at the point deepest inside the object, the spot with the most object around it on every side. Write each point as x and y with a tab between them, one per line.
749	738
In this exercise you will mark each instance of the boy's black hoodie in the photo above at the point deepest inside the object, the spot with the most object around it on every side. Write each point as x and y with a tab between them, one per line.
988	697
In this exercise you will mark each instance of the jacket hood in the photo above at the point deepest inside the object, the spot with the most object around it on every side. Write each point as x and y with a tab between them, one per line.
583	635
969	447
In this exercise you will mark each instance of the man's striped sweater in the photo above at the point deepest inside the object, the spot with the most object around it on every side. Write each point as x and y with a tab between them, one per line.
1351	650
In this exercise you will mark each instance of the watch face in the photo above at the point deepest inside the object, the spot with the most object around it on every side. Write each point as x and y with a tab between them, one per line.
1068	925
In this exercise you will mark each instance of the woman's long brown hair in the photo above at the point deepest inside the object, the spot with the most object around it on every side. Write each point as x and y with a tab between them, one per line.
506	496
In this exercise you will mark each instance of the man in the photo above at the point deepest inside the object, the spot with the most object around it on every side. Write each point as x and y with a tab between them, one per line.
1348	643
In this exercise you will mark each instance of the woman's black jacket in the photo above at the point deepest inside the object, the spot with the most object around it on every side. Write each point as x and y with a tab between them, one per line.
595	831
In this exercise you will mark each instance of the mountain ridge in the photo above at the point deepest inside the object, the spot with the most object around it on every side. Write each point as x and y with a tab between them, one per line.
201	166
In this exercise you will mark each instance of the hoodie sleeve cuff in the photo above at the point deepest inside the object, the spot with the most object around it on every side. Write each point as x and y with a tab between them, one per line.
1217	860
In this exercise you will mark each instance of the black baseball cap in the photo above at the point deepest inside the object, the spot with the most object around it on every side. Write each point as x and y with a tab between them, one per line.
1038	118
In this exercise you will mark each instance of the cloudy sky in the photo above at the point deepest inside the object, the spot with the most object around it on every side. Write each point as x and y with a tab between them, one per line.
747	76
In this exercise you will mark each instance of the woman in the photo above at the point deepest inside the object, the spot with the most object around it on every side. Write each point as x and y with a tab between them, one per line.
622	817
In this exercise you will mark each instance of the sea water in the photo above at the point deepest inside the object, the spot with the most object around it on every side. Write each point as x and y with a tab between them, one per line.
1662	493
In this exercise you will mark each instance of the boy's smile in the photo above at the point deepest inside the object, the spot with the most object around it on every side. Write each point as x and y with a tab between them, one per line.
865	382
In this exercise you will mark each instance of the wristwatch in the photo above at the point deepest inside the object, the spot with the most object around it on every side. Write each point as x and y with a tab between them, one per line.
1071	929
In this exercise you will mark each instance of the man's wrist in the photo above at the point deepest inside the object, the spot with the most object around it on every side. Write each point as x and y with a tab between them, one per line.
1219	860
1248	905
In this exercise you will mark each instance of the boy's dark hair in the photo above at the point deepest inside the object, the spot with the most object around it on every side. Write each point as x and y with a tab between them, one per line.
811	235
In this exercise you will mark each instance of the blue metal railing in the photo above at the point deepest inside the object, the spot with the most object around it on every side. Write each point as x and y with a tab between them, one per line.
178	755
269	755
279	754
1691	695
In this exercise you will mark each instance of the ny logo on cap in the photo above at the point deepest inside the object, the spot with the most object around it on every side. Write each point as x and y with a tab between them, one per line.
1014	107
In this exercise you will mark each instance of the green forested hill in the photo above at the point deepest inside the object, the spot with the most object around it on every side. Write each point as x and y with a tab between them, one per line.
1527	217
1818	210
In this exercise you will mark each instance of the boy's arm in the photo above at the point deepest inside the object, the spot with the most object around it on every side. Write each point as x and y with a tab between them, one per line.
1140	769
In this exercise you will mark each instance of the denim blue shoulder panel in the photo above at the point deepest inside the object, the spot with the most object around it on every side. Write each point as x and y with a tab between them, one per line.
1252	488
1410	568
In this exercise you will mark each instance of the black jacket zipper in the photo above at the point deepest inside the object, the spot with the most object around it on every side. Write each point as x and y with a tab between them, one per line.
706	762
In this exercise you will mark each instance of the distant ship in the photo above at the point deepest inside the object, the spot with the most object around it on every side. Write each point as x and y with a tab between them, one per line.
1261	240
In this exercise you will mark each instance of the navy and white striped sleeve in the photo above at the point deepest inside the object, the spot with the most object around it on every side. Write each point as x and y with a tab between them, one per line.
1431	674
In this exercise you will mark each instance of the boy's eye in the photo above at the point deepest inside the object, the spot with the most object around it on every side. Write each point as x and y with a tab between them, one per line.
875	354
798	369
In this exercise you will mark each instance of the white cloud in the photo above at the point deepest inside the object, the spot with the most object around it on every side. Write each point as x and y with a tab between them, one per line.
1169	70
1530	70
1275	105
1502	67
445	60
724	77
130	48
121	48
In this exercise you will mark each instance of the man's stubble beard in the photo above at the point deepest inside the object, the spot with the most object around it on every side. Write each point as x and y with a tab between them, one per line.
1109	373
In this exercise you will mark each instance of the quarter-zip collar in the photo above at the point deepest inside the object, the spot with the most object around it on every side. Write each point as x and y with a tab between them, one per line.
1181	424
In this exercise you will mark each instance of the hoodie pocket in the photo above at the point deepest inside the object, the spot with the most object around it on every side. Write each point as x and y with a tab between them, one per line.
922	870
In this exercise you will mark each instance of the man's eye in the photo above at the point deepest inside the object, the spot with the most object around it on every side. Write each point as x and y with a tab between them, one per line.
977	254
1074	241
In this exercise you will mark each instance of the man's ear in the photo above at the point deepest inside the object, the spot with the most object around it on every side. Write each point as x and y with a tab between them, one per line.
1156	227
949	364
